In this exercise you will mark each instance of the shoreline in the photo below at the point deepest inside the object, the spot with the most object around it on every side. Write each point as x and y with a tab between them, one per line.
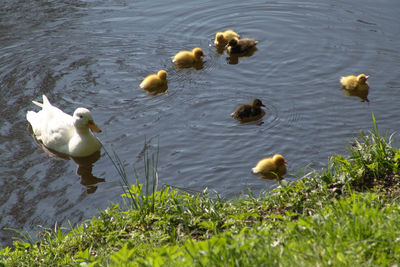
346	214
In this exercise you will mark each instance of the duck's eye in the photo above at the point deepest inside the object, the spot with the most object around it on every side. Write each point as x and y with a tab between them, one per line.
81	116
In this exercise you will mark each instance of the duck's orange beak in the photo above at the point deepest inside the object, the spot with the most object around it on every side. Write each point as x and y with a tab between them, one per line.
94	127
285	162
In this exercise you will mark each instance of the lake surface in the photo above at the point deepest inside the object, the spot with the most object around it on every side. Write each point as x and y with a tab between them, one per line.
94	54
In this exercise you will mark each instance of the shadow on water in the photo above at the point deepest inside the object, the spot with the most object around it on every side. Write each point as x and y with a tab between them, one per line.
157	91
84	164
233	59
362	94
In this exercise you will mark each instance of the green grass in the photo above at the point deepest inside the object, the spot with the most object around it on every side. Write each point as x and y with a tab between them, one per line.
344	215
357	231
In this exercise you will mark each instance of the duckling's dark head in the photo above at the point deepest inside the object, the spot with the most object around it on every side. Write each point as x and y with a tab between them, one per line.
233	42
257	103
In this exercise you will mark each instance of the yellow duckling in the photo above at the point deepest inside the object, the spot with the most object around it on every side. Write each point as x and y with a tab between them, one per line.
187	59
271	168
356	86
352	82
249	112
237	46
222	38
155	83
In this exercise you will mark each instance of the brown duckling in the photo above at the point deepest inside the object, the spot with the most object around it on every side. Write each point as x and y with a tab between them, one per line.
154	81
188	59
271	168
222	38
237	46
249	112
352	82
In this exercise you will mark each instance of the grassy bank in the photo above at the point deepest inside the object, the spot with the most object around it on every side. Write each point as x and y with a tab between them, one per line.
346	215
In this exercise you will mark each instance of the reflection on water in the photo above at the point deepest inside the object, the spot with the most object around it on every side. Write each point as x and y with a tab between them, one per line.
84	164
254	119
197	65
85	171
361	93
157	90
233	58
219	49
272	176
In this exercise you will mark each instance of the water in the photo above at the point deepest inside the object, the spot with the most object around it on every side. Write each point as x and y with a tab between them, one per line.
95	54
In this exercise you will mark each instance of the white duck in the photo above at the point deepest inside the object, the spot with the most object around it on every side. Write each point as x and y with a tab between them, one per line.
64	133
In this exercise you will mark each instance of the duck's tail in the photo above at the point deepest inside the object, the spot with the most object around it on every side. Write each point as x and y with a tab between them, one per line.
45	102
37	103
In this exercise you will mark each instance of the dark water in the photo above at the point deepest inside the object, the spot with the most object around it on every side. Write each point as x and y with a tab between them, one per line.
95	54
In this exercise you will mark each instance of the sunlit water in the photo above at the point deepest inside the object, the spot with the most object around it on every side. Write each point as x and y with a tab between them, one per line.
95	54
